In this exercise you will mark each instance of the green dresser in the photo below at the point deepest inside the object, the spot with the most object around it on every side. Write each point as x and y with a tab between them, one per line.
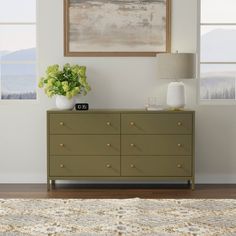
120	145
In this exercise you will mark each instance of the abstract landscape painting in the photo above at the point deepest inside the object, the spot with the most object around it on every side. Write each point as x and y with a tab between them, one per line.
116	26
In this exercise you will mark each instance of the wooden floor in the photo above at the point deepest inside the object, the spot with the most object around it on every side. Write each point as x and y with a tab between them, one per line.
116	191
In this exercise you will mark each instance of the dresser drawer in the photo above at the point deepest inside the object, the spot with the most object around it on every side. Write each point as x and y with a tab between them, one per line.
84	123
156	166
156	123
156	145
84	166
84	145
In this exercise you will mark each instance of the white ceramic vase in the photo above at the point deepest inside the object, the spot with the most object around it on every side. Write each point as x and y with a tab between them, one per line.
63	103
176	95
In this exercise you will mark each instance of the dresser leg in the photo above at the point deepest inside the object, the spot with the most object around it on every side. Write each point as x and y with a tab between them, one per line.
48	185
189	182
193	185
53	182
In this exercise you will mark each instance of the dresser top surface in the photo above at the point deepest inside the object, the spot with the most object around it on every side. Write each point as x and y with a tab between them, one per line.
129	111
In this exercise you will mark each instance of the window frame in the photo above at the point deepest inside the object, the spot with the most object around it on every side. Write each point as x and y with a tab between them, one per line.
199	62
35	62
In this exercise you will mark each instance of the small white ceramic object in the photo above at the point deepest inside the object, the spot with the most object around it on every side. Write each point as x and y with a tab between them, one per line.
176	95
63	103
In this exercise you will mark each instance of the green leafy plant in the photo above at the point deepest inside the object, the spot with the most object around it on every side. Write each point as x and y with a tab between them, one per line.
68	81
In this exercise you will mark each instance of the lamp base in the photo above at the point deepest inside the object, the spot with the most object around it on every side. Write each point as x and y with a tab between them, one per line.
176	95
175	109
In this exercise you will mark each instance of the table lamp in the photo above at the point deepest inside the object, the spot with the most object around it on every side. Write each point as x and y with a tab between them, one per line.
176	66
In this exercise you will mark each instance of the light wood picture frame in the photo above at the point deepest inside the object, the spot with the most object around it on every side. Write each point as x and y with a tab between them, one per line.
116	27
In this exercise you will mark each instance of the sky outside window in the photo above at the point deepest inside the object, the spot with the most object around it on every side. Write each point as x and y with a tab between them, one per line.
17	37
18	11
215	11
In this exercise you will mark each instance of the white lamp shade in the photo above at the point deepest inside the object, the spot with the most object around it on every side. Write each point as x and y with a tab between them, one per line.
176	65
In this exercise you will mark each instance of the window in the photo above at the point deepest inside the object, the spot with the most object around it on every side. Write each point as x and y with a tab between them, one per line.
217	50
18	49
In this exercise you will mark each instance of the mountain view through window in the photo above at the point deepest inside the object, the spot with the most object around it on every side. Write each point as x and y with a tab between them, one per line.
217	50
18	49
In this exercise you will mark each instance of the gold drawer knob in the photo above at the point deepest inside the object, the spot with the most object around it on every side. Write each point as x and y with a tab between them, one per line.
61	123
132	123
179	166
61	166
108	123
179	145
132	145
179	123
108	166
108	144
62	145
132	165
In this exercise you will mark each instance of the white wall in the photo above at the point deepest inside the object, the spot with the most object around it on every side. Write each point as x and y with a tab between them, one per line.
116	83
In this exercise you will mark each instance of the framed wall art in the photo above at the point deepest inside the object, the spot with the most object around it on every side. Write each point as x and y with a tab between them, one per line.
116	27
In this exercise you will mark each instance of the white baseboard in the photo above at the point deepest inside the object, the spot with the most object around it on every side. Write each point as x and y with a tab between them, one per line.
216	179
41	179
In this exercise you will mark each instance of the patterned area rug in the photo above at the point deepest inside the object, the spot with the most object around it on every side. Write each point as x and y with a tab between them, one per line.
129	217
